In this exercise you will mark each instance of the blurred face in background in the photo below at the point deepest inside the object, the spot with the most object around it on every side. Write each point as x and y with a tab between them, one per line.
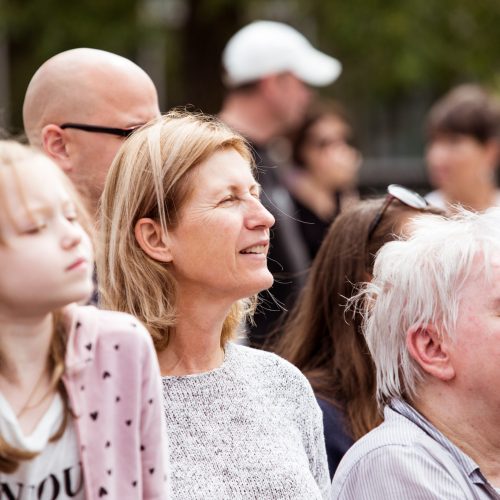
327	154
288	99
457	162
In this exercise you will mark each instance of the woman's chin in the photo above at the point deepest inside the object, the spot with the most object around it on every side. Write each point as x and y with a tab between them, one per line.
258	284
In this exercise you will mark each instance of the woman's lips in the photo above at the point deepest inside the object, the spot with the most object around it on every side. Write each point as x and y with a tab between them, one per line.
259	248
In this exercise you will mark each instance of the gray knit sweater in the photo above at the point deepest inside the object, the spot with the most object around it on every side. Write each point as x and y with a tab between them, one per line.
250	429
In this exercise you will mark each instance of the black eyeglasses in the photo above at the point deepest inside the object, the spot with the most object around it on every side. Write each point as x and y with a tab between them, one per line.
405	196
121	132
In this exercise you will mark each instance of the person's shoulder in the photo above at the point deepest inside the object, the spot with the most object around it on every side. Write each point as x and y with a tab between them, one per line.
394	433
272	367
396	448
265	359
109	325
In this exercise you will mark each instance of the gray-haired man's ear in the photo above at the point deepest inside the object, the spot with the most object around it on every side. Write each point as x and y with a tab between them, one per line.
430	350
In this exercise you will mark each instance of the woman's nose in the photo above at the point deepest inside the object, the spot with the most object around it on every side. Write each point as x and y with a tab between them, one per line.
259	216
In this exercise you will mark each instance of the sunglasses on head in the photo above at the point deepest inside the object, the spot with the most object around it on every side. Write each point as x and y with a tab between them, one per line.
405	196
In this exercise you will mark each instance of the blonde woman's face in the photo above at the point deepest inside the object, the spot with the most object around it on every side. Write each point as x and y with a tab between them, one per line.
219	248
46	256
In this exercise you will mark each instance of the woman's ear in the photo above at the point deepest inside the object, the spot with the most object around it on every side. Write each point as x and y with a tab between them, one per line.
153	240
430	350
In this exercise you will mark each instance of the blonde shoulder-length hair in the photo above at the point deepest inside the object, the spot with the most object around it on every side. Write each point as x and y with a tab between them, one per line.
13	157
151	177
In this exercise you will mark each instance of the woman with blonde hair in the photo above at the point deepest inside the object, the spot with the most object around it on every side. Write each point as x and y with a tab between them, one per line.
184	245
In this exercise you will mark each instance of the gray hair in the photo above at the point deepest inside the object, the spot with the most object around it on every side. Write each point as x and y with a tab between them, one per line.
419	281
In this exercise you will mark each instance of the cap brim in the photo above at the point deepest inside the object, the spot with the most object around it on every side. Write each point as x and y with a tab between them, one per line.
316	68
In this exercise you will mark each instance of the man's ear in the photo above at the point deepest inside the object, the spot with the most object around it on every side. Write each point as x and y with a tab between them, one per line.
431	351
153	240
55	146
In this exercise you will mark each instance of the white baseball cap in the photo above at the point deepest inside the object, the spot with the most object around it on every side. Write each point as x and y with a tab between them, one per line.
264	48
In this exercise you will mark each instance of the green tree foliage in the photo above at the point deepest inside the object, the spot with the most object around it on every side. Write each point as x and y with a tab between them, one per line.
398	55
37	29
394	46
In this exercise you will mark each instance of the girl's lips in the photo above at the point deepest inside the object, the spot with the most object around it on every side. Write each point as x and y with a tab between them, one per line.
77	263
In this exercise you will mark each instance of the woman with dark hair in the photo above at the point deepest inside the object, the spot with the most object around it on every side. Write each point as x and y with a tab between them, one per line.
326	343
323	178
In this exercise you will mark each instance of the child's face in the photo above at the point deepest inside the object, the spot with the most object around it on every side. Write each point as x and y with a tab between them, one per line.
46	256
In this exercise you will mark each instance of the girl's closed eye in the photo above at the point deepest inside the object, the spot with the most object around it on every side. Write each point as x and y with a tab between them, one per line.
72	217
35	229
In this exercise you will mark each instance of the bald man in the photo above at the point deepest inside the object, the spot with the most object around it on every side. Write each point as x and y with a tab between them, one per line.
79	107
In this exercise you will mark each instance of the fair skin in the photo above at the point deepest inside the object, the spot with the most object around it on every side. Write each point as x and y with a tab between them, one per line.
276	106
91	87
218	255
45	264
330	164
463	169
459	395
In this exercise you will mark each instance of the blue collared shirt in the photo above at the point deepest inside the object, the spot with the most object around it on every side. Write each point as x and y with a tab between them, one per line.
407	458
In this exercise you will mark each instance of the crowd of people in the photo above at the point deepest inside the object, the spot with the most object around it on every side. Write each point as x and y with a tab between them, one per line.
181	318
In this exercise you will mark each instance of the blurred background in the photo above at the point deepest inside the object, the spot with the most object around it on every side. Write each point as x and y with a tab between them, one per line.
398	56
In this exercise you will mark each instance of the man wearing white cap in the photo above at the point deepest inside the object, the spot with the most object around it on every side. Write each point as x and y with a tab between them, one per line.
269	67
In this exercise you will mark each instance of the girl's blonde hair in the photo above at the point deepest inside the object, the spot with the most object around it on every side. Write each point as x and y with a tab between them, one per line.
151	176
12	156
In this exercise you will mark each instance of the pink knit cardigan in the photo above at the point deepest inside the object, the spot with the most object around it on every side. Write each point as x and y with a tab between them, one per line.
114	386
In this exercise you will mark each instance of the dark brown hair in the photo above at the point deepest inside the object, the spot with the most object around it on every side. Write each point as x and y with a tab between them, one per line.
323	341
468	110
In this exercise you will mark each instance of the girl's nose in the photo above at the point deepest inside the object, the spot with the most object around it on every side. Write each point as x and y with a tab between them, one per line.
72	235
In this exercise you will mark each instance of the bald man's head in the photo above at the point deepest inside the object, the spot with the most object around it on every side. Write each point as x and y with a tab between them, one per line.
90	87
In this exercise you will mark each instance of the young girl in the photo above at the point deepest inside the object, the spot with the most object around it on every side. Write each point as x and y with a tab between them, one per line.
80	397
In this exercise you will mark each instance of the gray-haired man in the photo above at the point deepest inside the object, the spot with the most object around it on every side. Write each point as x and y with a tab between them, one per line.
433	329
